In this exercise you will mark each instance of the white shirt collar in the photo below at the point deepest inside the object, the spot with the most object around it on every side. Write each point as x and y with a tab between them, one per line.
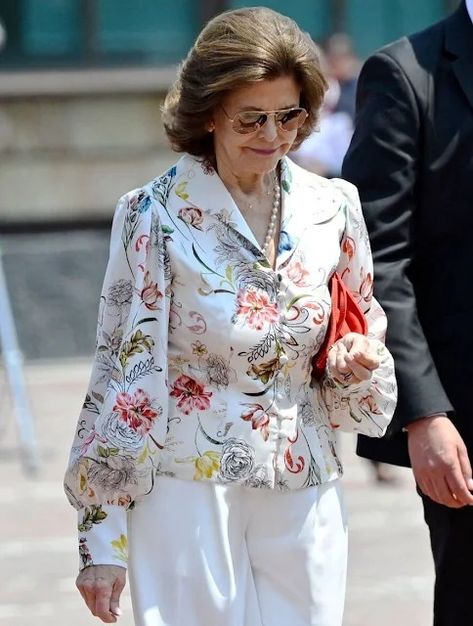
469	8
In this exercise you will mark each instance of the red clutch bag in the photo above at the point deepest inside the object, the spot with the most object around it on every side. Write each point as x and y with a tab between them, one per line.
346	317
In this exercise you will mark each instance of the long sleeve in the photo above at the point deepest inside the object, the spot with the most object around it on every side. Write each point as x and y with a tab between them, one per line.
366	407
383	162
122	424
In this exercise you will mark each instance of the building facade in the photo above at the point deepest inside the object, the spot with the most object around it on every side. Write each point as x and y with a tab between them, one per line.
58	33
82	81
81	85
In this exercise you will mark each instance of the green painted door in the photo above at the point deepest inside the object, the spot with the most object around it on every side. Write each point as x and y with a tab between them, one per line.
373	23
311	15
159	31
51	27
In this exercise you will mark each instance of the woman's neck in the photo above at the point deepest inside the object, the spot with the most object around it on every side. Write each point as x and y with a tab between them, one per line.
255	195
247	183
250	190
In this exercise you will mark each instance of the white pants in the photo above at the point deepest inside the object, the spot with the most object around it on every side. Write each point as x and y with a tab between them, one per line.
212	555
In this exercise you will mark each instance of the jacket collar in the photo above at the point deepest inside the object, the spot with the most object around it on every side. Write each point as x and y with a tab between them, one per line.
205	190
459	44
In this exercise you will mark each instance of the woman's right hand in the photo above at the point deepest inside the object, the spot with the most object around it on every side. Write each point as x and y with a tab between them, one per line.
353	358
101	586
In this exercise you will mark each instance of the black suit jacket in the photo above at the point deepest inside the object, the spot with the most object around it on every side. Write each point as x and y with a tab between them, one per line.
411	158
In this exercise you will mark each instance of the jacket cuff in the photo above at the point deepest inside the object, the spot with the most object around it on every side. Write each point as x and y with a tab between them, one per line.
102	535
424	417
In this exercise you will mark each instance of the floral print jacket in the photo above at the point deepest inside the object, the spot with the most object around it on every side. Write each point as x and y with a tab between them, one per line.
203	363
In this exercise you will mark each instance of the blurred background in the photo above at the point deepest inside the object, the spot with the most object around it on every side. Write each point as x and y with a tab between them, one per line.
81	83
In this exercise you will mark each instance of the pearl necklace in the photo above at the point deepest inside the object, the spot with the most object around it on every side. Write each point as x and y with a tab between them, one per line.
273	217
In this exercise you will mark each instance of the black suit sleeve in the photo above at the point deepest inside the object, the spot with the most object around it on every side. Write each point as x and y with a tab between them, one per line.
383	162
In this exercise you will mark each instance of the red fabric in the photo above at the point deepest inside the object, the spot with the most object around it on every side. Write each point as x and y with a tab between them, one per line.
346	317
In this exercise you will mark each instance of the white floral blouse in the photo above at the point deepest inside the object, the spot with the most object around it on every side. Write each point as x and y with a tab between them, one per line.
203	362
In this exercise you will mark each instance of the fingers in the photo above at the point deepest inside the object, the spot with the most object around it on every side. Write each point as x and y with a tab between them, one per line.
360	371
458	489
101	593
446	494
340	359
87	591
361	357
440	461
97	594
365	357
458	485
353	355
335	360
115	598
438	491
445	485
465	466
338	366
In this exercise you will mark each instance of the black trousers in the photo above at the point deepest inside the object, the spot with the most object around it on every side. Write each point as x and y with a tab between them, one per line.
451	538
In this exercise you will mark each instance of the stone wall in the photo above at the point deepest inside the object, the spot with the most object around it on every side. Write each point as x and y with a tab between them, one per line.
70	145
67	153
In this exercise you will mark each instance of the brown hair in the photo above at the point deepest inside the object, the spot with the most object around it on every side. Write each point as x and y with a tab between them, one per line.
236	48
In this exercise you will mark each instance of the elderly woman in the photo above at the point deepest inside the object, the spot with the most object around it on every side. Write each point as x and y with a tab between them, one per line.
205	454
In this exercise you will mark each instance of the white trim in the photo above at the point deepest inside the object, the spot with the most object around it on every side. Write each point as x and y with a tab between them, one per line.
469	8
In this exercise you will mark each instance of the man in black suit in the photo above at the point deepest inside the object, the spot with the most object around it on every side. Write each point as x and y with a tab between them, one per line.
412	160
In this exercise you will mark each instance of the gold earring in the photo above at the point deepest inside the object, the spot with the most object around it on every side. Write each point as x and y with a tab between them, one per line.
211	127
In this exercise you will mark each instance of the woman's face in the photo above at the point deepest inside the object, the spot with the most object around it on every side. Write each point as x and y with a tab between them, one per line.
260	151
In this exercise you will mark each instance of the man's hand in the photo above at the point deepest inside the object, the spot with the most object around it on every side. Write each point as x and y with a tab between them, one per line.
101	586
440	461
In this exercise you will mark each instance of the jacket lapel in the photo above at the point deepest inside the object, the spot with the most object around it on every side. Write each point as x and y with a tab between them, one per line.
291	224
459	43
307	200
206	191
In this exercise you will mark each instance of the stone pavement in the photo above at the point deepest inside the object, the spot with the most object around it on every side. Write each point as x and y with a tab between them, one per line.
390	573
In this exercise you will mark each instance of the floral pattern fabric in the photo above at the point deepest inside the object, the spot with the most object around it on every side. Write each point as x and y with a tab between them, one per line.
203	362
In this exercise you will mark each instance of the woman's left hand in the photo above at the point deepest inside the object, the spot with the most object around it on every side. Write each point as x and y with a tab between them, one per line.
352	359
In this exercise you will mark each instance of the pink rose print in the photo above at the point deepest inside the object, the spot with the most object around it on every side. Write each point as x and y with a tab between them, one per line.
295	466
259	419
366	287
349	247
255	305
191	394
89	440
150	294
319	313
136	410
297	273
192	216
143	240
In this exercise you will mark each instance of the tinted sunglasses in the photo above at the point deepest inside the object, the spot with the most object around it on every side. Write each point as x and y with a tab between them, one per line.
246	122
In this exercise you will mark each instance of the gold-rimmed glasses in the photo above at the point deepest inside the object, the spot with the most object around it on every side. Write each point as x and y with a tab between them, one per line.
246	122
